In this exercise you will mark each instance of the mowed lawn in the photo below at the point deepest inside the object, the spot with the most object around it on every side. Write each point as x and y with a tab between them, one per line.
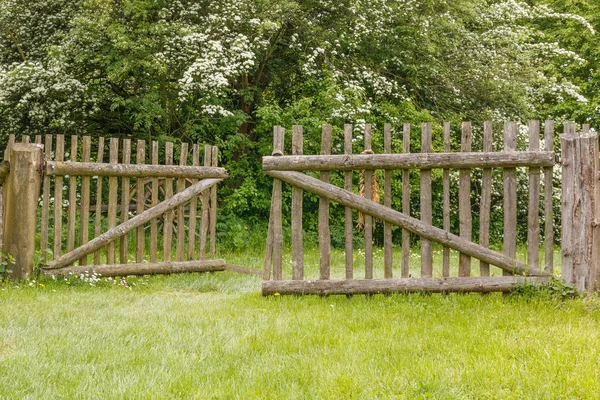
214	336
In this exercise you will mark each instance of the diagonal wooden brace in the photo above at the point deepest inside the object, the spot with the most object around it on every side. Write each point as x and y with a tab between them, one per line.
126	227
349	199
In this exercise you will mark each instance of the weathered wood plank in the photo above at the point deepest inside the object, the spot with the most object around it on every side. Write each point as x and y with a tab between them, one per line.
55	168
409	161
404	285
193	208
426	204
414	225
405	203
324	234
387	202
71	215
548	197
533	211
464	201
98	215
297	194
446	202
278	142
140	242
204	210
180	247
486	199
509	247
44	245
113	156
169	267
59	155
368	182
348	230
84	214
168	217
154	202
213	207
122	229
125	199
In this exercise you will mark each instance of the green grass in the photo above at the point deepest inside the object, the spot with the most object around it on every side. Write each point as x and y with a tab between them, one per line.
213	336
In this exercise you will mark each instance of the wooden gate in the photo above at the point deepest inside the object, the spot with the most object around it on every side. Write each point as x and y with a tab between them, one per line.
95	209
291	168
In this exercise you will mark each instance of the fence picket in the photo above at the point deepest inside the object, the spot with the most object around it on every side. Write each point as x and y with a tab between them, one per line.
446	203
98	215
368	185
140	158
193	208
297	239
204	210
84	213
168	216
486	199
464	201
387	201
426	204
348	229
180	248
45	201
58	193
278	142
125	199
154	202
509	247
113	158
213	207
533	211
406	204
548	209
72	199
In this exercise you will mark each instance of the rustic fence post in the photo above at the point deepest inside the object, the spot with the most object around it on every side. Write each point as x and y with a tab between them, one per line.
22	190
580	209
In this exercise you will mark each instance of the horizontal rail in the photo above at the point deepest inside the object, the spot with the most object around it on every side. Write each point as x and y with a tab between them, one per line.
170	267
61	168
409	161
374	286
386	214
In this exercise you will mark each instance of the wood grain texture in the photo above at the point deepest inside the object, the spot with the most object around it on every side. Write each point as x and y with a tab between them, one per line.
368	176
402	285
140	236
59	155
486	199
71	210
154	202
446	202
406	204
387	202
168	217
55	168
278	143
348	228
426	204
324	234
464	201
45	201
98	214
204	210
113	156
533	211
297	194
509	246
180	247
84	216
548	200
213	207
125	199
193	208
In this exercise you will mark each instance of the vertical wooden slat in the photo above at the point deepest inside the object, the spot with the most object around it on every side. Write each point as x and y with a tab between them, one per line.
486	199
446	203
113	156
125	199
168	217
58	193
533	211
11	141
368	181
426	204
46	201
569	154
324	234
193	208
84	215
548	209
464	201
204	212
213	207
406	204
25	139
98	216
278	142
38	139
153	202
72	199
509	247
297	193
348	210
180	247
387	202
140	158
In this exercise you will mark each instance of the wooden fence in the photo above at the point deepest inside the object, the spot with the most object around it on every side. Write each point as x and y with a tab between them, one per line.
290	169
161	201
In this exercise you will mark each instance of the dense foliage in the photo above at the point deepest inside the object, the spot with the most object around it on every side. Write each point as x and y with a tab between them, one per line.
224	72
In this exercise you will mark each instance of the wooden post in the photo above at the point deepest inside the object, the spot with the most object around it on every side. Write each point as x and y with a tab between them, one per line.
426	205
20	207
387	201
486	199
509	246
464	199
406	204
348	210
533	216
580	209
278	148
297	242
446	202
548	210
324	234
